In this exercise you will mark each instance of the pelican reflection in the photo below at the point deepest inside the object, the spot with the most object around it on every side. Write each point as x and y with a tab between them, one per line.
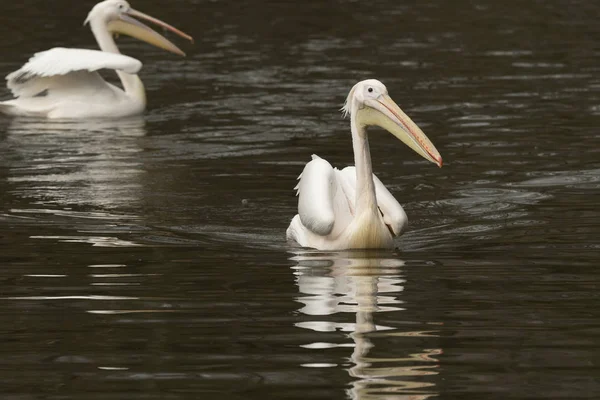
66	163
365	284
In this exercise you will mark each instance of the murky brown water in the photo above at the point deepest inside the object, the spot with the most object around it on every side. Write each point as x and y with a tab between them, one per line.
146	258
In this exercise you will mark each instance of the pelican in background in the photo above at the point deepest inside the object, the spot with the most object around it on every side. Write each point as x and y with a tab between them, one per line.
351	208
64	83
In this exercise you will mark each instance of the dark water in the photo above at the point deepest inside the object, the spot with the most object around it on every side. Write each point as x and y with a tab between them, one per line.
146	258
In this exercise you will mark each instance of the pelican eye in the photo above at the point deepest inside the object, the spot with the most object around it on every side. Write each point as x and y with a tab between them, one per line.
370	90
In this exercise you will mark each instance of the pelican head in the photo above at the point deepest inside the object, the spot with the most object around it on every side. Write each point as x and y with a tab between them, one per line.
120	18
368	103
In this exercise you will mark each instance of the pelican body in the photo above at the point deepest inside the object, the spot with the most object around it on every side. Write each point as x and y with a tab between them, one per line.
64	82
351	208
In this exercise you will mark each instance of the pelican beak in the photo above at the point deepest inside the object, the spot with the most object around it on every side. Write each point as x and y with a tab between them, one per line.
385	113
130	26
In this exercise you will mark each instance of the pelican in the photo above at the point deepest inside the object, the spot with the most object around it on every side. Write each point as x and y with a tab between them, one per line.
351	208
64	82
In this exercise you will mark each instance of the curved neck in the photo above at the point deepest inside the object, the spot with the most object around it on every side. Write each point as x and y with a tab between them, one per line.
365	186
132	84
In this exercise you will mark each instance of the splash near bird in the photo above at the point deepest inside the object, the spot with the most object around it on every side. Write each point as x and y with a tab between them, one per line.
64	82
351	208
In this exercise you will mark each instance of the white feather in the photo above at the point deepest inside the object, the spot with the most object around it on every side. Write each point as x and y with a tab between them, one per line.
65	83
352	209
316	190
61	61
392	212
326	206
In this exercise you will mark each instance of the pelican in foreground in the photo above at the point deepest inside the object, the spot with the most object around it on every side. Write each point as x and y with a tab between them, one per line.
351	208
64	82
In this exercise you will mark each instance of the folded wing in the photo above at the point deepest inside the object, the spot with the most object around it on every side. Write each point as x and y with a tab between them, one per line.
392	212
316	190
59	67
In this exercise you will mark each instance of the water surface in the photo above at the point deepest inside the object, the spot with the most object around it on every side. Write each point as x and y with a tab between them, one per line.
146	258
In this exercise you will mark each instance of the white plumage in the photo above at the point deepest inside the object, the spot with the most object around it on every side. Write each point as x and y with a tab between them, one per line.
61	82
65	83
327	207
351	208
62	61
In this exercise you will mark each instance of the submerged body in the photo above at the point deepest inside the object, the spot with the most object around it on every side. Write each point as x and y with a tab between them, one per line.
351	208
65	83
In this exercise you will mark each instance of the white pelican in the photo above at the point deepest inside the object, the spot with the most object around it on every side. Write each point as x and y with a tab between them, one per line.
64	83
351	208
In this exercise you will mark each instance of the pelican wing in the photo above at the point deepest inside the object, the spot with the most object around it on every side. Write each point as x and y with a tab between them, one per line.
43	70
392	212
316	191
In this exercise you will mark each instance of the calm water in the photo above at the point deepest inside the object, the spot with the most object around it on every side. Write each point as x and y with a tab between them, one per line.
146	258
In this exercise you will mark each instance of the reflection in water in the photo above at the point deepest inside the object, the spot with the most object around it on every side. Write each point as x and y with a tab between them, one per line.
132	126
99	241
363	284
76	162
66	167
